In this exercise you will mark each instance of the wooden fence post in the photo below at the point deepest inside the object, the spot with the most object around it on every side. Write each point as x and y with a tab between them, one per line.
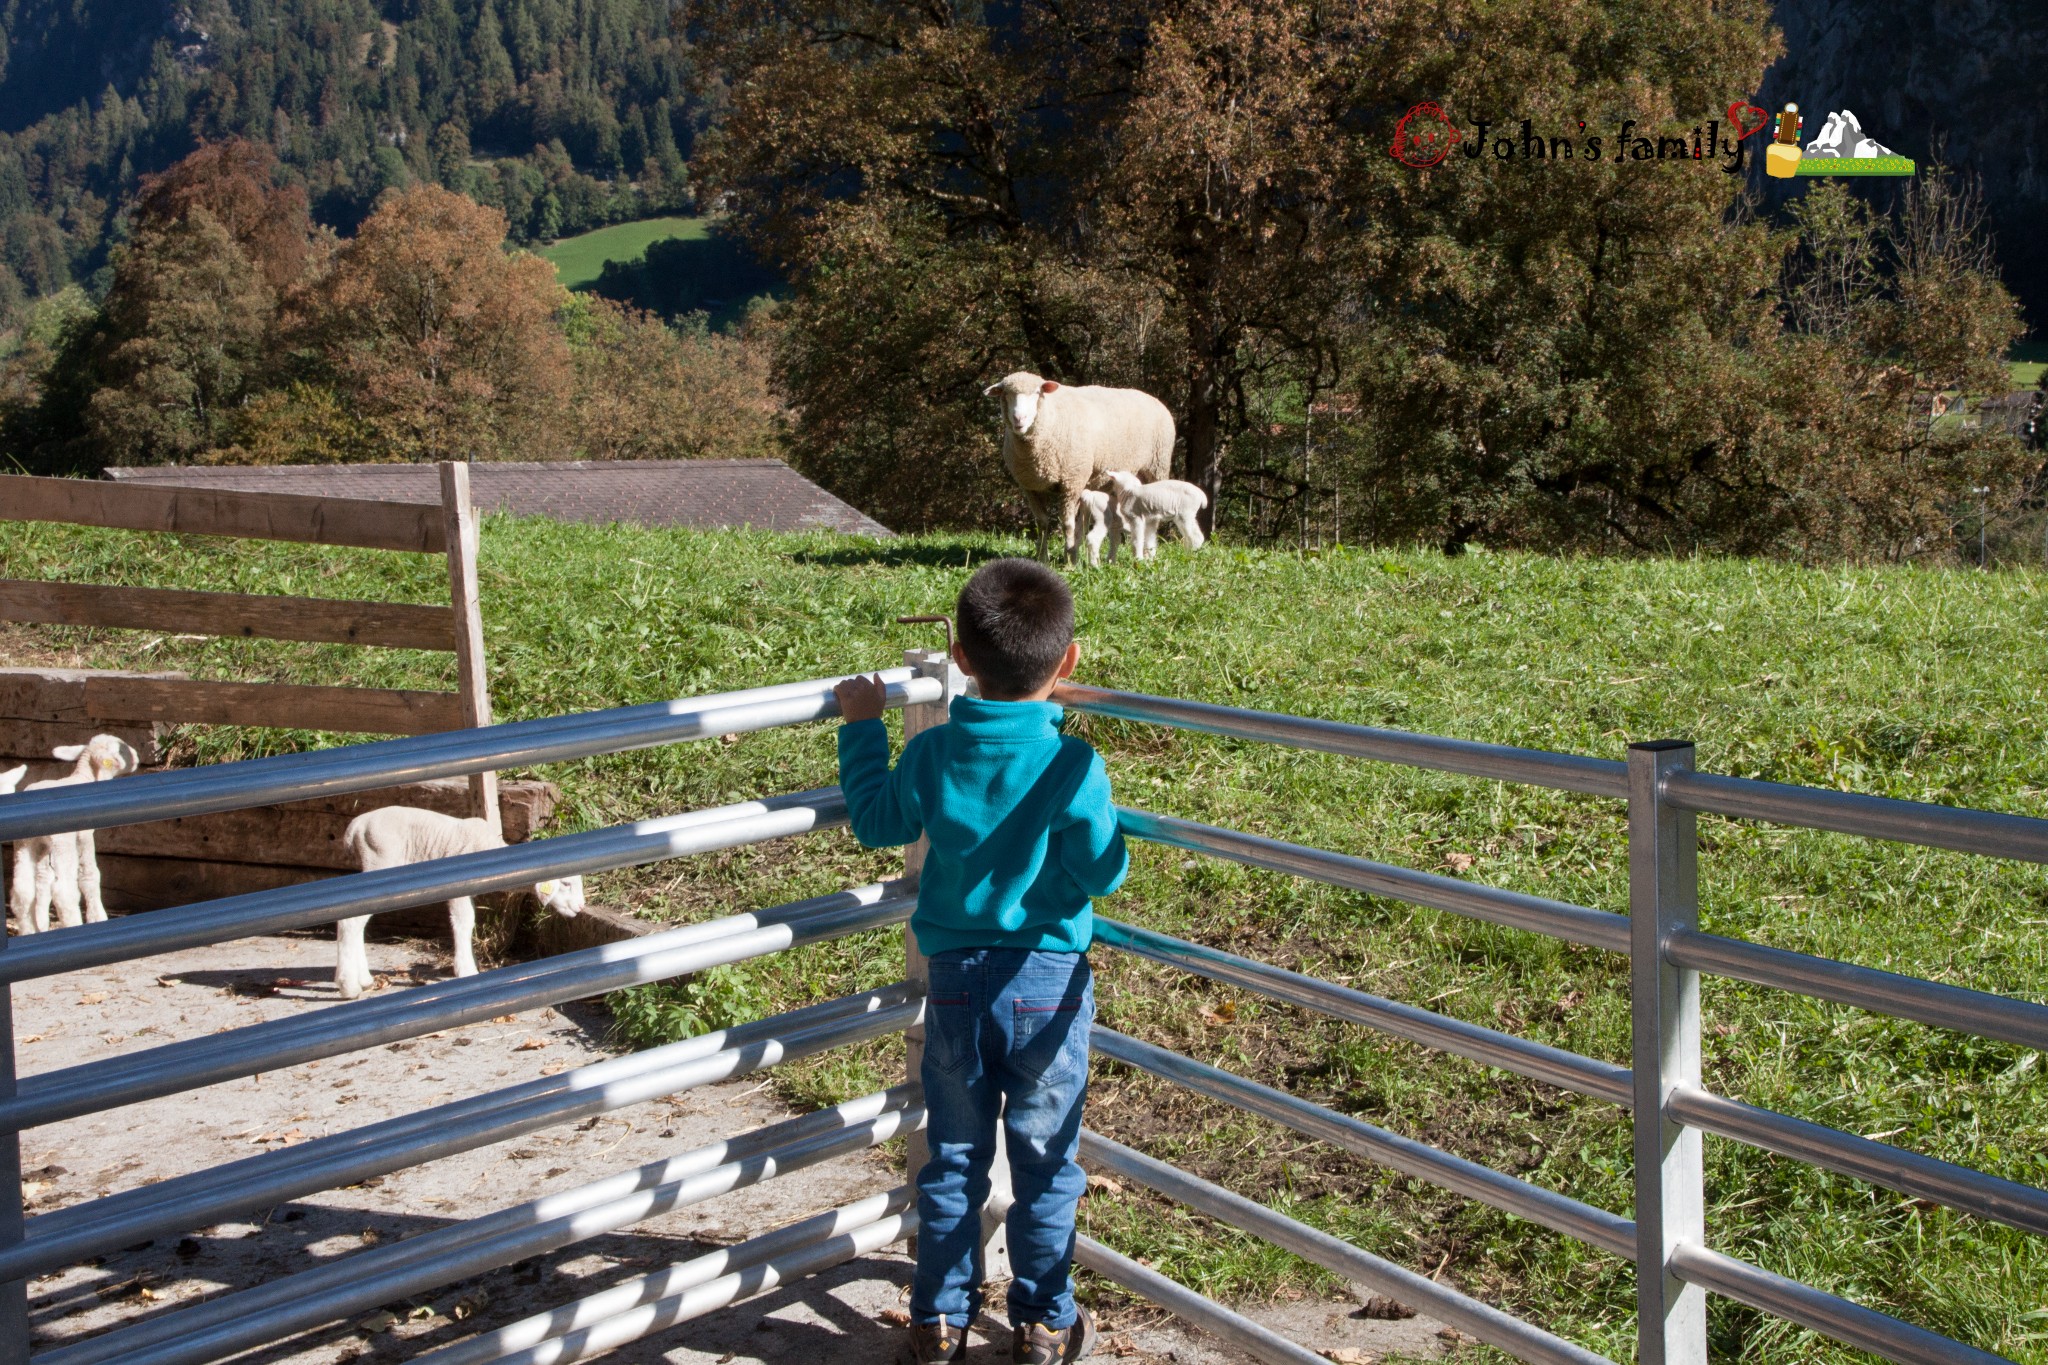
475	690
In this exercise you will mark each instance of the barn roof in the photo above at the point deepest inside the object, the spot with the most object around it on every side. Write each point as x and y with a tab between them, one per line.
703	494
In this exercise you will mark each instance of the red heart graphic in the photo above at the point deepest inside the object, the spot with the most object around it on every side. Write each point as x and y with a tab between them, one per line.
1735	113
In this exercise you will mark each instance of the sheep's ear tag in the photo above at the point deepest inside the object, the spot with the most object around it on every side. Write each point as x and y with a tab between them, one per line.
1048	386
546	888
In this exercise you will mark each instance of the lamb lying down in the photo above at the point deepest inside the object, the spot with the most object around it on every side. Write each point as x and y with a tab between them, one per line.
63	870
394	836
1141	507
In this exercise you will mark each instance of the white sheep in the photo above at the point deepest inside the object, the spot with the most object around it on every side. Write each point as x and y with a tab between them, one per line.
1065	437
64	869
1140	508
1101	526
393	836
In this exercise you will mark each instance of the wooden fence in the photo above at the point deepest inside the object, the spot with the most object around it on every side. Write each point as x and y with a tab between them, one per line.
132	704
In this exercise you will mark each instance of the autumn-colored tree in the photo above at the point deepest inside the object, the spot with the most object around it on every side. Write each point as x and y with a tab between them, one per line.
237	182
443	342
1229	196
646	392
1516	345
180	337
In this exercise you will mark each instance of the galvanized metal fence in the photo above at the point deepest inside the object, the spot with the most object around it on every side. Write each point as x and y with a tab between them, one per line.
1667	1238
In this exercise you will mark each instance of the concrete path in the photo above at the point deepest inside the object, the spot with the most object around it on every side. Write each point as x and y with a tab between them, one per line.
849	1315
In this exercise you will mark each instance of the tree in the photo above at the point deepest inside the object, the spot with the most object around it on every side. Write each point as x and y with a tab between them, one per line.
444	343
1190	198
646	392
180	338
1227	197
239	185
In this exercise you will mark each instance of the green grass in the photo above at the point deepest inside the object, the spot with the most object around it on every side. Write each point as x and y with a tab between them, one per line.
2028	362
580	259
1903	682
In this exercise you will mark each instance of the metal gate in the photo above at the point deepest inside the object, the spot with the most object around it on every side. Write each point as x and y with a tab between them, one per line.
1667	1238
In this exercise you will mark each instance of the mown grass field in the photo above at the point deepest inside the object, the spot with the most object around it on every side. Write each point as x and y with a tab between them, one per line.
579	260
2028	362
1910	683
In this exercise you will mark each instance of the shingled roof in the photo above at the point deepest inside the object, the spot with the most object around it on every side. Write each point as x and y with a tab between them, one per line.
703	494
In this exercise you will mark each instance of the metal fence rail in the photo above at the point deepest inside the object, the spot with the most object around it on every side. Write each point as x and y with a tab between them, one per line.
1672	1110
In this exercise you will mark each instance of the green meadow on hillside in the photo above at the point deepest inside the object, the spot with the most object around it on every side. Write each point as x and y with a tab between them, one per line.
2028	363
674	267
579	260
1903	682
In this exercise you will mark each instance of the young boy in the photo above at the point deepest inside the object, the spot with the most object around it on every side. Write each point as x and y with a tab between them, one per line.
1022	834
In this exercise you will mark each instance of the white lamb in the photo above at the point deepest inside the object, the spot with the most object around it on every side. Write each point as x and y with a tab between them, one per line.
1101	526
1140	508
64	869
394	836
1064	438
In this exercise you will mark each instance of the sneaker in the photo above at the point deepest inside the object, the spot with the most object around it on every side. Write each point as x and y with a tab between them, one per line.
936	1343
1033	1343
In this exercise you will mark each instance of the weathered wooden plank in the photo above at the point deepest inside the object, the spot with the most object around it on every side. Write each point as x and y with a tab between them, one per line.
528	804
57	695
392	625
130	885
459	529
308	833
34	739
544	935
358	522
290	706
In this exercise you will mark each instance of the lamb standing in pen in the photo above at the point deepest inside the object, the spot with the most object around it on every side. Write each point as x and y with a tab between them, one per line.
64	869
394	836
1139	508
1063	438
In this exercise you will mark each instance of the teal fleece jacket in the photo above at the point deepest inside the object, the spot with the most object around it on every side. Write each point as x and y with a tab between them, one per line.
1023	832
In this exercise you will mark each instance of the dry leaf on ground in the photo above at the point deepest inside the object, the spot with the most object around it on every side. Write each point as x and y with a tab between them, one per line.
531	1045
92	998
1380	1306
1459	862
895	1317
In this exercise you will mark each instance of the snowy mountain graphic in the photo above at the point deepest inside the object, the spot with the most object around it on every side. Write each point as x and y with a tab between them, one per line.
1842	135
1843	148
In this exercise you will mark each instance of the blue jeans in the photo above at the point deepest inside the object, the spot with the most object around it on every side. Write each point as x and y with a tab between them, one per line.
1002	1024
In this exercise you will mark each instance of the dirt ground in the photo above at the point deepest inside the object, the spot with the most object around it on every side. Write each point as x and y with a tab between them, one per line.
841	1316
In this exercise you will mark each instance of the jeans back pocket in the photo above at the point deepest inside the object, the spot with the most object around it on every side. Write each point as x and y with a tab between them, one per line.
948	1030
1049	1036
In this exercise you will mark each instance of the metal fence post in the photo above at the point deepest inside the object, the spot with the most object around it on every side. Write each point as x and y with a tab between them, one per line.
1663	895
14	1323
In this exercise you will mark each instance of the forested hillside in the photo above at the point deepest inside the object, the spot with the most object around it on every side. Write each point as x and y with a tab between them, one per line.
565	114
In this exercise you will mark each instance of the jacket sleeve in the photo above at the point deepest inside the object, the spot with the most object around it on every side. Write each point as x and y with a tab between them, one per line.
1091	842
878	799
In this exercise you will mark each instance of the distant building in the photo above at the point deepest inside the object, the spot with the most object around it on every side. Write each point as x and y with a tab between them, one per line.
705	495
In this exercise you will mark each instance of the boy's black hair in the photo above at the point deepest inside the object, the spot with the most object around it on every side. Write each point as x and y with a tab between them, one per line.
1016	619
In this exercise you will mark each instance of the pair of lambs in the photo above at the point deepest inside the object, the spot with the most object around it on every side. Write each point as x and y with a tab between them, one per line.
63	870
1067	439
1135	511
